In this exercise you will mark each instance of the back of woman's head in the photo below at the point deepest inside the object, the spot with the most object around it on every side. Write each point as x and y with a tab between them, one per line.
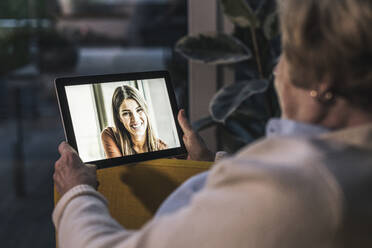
329	40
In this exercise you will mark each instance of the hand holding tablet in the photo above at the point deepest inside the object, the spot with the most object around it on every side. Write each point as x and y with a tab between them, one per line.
195	145
120	118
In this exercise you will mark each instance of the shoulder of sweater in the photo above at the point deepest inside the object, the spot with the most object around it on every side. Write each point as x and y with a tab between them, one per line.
293	167
109	132
276	150
286	162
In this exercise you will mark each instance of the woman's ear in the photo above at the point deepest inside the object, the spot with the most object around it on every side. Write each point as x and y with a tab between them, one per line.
324	92
325	85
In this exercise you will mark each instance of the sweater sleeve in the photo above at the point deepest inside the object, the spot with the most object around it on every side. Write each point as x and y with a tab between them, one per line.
182	196
244	204
82	219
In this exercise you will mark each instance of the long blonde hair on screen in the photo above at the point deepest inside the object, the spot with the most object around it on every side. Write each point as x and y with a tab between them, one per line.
122	136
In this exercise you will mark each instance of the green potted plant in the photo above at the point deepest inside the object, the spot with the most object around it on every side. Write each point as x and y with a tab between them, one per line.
242	109
14	35
30	24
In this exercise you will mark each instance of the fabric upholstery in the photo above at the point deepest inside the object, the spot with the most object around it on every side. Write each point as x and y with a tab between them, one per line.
134	192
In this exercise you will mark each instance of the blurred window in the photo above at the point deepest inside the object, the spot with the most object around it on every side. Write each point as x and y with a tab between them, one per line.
44	39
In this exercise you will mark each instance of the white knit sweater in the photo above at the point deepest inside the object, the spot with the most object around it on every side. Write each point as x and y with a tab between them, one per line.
278	192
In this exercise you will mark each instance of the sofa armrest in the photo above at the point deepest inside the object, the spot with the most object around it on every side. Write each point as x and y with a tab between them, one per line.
135	191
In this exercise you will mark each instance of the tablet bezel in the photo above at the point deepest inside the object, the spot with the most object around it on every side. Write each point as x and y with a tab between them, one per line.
60	84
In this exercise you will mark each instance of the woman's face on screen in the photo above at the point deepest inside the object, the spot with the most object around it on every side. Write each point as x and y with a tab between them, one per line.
133	117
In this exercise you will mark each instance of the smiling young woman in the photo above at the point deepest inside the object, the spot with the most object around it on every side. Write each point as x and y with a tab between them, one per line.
133	132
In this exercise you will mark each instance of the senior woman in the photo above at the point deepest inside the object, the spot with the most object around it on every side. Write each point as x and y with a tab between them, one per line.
133	132
290	190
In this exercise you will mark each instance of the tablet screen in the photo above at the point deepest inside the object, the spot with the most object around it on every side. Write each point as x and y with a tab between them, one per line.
119	118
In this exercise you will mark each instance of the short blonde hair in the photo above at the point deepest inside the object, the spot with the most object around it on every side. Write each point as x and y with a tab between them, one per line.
329	39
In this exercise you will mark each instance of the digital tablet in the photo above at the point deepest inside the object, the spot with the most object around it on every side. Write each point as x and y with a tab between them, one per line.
118	119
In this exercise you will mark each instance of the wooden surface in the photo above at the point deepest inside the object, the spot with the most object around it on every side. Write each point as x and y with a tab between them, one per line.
135	192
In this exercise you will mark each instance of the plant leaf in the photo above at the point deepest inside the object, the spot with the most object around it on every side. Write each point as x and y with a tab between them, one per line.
264	9
229	98
215	49
255	107
271	26
203	123
240	132
245	131
14	52
240	13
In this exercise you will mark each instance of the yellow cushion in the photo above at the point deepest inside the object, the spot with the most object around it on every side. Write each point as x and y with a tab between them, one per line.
135	192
